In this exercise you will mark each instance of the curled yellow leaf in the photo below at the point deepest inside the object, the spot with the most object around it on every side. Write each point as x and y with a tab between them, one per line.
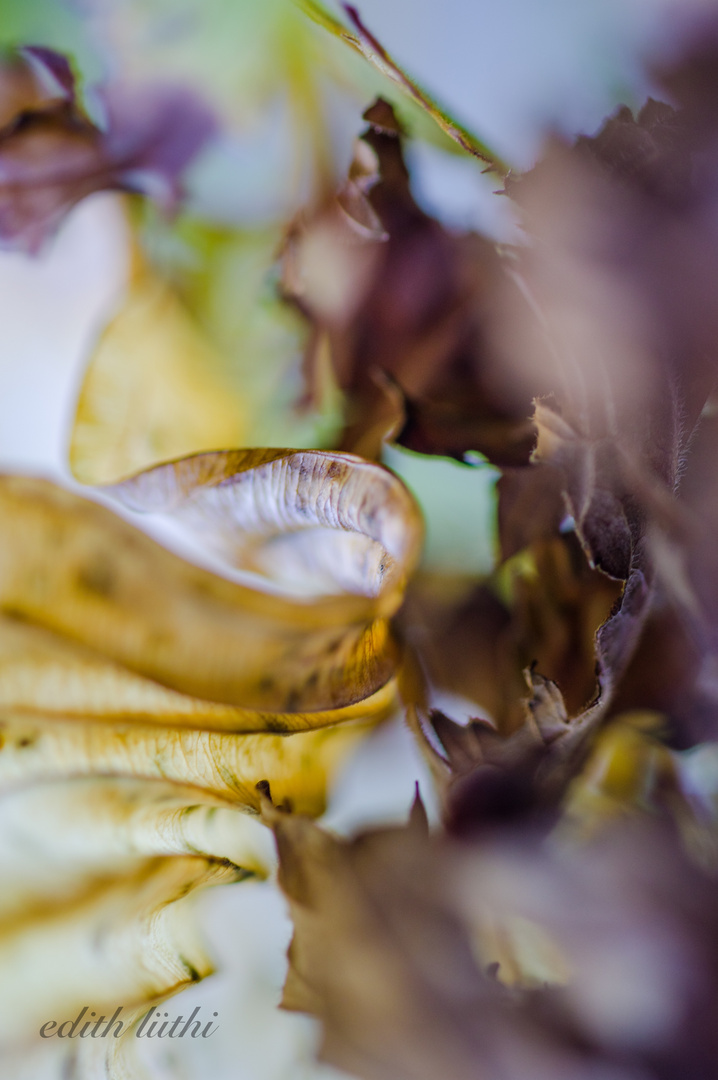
42	673
225	765
309	520
144	699
73	567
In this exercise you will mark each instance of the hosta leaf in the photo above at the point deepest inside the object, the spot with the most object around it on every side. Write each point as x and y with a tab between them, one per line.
338	523
226	766
153	390
141	699
127	941
58	837
46	674
73	567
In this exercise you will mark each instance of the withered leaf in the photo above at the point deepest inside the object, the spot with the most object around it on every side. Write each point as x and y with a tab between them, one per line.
140	710
226	765
153	389
51	847
347	522
45	674
79	571
500	958
618	353
542	614
123	943
531	506
399	298
52	155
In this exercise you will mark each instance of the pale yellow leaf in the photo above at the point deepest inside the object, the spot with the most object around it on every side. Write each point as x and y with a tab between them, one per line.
153	390
46	674
126	943
228	766
73	567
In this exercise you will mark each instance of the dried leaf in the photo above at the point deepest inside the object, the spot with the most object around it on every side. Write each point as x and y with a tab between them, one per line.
531	506
227	766
72	567
364	42
402	301
120	794
539	620
52	155
42	673
598	332
501	958
127	942
153	390
52	848
340	523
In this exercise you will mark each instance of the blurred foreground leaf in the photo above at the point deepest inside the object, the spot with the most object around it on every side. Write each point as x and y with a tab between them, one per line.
514	955
52	154
154	390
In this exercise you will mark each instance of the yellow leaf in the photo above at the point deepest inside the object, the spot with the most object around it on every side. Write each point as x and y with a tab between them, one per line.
141	699
153	390
44	673
306	520
226	766
74	568
59	837
126	943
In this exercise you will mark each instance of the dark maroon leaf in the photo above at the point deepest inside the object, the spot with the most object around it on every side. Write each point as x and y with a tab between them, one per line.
52	155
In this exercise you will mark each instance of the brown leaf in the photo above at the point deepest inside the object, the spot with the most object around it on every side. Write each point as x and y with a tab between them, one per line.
52	155
501	958
531	506
400	298
478	641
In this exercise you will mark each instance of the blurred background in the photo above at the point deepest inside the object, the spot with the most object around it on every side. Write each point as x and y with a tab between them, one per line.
226	355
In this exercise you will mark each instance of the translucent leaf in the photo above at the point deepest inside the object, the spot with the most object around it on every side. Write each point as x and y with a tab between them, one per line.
227	766
126	942
44	673
73	567
154	390
140	704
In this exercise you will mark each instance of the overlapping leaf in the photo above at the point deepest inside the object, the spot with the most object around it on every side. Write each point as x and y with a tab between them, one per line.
403	305
509	956
53	155
144	699
154	389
